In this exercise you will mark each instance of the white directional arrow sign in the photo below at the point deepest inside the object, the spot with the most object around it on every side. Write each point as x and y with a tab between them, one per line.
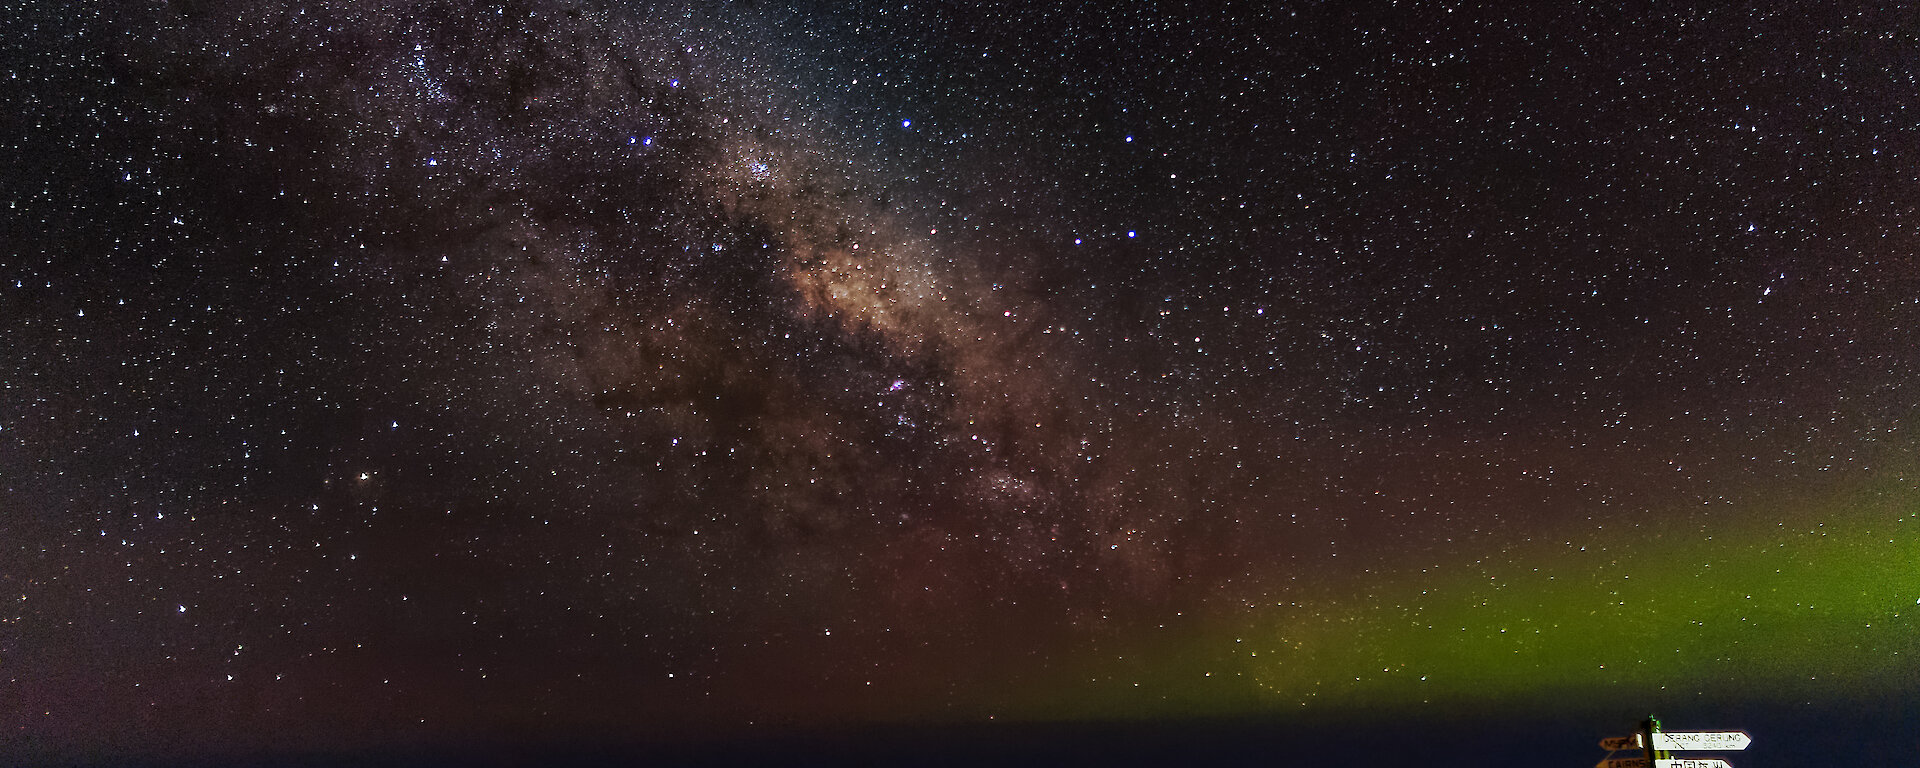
1621	742
1691	763
1701	740
1622	762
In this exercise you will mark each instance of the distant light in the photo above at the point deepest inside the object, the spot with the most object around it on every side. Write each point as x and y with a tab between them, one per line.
906	123
673	83
648	141
1129	139
1130	233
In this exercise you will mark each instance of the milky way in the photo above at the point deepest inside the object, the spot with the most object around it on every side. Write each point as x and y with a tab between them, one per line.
390	373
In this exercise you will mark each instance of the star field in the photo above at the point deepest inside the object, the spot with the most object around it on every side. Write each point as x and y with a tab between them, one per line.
380	375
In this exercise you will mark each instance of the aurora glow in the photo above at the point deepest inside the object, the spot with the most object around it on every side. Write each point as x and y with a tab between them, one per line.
1818	604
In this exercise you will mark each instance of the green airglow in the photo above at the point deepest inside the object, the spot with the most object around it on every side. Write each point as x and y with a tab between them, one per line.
1776	608
1786	602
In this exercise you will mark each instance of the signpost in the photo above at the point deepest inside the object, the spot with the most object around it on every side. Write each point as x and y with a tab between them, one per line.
1641	762
1695	741
1656	747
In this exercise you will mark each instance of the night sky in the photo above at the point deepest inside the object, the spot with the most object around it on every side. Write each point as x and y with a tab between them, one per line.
380	377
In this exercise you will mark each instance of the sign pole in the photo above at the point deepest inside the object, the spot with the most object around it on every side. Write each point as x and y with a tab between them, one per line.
1647	730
